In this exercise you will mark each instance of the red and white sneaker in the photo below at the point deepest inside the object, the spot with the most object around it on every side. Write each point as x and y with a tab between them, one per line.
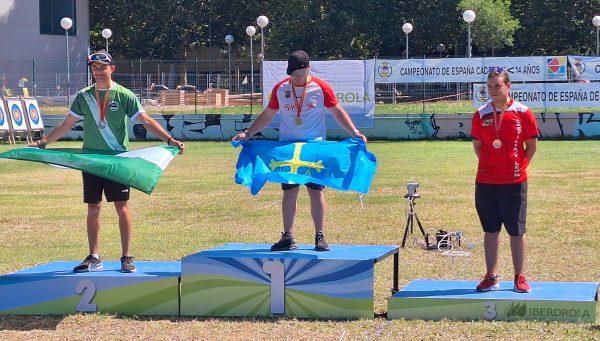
489	282
521	284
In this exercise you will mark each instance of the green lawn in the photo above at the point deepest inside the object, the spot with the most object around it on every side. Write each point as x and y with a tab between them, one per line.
197	206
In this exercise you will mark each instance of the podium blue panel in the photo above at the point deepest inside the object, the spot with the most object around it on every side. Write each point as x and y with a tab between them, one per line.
54	289
250	280
548	301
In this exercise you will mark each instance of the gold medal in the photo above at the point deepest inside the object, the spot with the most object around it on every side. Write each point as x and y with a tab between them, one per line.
497	143
298	121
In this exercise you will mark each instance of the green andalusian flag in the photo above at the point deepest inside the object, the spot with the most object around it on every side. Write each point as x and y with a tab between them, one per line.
139	168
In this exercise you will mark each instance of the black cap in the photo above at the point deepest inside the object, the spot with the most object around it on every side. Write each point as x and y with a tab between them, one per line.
297	60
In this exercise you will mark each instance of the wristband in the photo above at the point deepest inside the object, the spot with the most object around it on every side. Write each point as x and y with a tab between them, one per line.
169	141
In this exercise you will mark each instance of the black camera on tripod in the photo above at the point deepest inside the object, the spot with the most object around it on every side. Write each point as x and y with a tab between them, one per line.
411	190
411	215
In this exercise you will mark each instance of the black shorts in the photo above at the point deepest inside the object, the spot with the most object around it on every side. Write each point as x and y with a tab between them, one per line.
310	185
502	204
93	186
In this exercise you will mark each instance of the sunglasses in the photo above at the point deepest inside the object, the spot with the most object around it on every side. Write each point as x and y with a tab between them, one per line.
497	69
100	57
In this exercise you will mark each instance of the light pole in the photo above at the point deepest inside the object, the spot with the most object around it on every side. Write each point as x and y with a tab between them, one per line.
250	31
66	24
407	28
469	16
106	33
596	22
229	40
440	48
262	21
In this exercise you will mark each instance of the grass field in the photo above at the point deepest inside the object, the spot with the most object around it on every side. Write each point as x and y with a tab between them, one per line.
197	206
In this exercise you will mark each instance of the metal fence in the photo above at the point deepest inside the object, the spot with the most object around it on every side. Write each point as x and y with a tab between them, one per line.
49	81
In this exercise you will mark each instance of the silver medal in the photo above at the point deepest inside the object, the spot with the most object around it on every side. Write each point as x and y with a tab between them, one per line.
102	124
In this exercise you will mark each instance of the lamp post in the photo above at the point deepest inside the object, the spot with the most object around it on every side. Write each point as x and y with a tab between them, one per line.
440	48
596	22
250	31
106	33
407	28
66	23
229	40
469	16
262	21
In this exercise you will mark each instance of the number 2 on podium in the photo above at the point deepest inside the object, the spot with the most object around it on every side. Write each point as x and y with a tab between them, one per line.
87	289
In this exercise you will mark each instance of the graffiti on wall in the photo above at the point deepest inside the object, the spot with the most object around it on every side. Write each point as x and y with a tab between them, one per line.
401	127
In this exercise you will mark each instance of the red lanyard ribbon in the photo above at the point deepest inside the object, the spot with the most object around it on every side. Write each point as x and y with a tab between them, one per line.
296	98
498	120
104	105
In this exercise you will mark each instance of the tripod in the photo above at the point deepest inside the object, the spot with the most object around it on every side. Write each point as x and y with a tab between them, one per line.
411	217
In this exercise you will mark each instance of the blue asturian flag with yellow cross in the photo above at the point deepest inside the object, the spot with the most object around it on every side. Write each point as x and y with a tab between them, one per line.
345	165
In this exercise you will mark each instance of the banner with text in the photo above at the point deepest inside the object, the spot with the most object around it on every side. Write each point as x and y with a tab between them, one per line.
457	70
585	68
352	81
542	95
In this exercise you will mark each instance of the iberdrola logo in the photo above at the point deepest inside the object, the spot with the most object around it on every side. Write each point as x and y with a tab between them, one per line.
516	310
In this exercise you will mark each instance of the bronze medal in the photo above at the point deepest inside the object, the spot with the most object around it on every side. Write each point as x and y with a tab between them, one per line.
497	143
298	121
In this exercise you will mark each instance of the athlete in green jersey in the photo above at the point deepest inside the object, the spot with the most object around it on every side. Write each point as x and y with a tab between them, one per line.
105	108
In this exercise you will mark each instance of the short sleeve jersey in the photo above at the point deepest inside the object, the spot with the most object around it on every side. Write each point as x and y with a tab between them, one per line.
317	98
122	105
507	164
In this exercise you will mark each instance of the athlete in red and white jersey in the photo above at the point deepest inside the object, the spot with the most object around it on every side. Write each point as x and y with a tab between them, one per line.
301	100
305	104
514	125
504	139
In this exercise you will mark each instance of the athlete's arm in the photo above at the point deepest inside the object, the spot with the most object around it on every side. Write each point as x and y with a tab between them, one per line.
61	130
152	126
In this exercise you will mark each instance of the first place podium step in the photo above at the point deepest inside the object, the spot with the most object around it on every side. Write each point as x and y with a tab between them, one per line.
54	289
250	280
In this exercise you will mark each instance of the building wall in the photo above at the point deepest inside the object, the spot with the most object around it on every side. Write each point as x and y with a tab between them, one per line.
27	53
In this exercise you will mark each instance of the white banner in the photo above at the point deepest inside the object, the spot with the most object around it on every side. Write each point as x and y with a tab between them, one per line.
456	70
585	68
542	95
352	81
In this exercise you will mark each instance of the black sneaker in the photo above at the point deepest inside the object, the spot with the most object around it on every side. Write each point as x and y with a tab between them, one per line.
320	243
90	263
286	243
127	264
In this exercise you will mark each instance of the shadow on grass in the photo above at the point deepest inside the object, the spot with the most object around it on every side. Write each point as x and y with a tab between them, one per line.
27	323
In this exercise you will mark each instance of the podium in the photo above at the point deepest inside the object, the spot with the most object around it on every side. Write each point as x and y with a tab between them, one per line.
250	280
458	300
54	289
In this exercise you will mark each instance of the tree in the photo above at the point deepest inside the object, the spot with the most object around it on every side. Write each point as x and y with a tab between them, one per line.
494	26
555	27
